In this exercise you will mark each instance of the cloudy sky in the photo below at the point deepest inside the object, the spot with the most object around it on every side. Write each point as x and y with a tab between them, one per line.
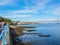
30	10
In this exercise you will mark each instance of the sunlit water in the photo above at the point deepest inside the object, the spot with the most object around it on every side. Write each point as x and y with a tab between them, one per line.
53	29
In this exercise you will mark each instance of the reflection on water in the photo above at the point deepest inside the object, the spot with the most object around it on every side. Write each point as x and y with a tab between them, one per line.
44	34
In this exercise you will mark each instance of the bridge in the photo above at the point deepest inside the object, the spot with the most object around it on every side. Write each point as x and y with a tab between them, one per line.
5	38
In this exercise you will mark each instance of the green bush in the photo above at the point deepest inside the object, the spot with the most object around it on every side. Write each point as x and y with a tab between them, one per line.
7	20
1	19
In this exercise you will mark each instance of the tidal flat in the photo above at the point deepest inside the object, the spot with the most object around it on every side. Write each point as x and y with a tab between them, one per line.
18	31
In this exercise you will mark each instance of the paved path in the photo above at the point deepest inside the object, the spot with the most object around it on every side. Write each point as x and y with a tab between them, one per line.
0	42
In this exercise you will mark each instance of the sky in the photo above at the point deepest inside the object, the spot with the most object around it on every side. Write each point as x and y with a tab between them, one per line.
30	10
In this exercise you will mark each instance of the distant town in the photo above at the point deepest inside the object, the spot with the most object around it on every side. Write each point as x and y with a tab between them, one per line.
37	22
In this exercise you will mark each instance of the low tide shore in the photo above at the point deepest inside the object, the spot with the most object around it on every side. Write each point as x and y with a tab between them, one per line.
15	32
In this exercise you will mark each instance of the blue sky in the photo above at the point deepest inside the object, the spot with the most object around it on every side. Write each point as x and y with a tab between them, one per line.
30	10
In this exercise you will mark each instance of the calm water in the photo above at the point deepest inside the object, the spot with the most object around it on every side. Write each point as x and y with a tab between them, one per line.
53	29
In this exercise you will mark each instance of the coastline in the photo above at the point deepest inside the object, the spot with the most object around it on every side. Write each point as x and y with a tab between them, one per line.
16	32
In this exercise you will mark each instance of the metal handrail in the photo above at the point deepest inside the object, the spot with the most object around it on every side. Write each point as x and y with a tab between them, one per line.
4	36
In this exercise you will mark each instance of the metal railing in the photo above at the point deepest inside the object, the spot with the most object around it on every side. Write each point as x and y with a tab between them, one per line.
4	36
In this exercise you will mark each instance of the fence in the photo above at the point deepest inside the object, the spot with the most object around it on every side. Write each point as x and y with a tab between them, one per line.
5	35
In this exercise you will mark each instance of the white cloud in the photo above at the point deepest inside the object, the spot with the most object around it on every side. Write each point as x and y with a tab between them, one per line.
22	11
19	13
4	2
33	8
37	4
8	2
16	16
56	11
51	19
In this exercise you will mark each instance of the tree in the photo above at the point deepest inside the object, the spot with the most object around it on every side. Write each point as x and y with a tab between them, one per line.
1	19
7	20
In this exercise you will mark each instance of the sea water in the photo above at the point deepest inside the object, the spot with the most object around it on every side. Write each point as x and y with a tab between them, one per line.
53	29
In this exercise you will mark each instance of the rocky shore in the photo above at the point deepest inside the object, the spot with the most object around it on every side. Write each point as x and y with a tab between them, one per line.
15	32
